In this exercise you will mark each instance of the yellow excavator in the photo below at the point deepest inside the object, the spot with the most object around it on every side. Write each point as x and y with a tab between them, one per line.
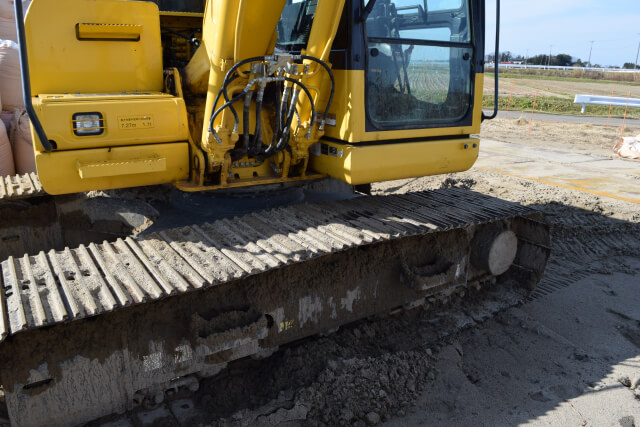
221	94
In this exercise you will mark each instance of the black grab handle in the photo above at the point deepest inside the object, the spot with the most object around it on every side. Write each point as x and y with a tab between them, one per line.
26	82
496	62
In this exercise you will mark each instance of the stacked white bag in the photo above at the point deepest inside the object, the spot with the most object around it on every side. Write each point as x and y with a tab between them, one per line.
22	143
11	95
6	153
10	82
628	147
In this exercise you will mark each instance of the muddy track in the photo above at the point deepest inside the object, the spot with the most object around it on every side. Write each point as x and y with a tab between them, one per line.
20	186
377	369
142	319
374	370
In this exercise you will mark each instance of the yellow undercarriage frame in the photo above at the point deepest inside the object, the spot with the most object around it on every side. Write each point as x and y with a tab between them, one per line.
364	164
362	157
143	140
120	167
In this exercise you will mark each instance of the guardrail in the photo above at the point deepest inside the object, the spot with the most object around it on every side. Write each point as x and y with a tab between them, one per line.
606	100
559	67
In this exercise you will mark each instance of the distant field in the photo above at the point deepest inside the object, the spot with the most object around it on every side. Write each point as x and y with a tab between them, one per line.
571	74
555	95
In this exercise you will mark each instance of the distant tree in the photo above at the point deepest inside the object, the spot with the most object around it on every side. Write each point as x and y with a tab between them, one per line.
506	56
491	57
562	60
579	63
538	59
629	66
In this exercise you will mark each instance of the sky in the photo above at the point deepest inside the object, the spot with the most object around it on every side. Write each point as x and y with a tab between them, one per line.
568	26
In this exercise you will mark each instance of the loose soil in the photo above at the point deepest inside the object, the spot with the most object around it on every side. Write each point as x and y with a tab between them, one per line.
568	355
586	137
559	88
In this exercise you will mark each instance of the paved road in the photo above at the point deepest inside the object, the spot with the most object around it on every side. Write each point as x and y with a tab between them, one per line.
568	119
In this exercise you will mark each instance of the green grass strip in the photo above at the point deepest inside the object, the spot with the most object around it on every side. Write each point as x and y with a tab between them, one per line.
554	105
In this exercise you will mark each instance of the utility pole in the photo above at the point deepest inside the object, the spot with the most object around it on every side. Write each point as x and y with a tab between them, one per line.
590	49
637	54
549	61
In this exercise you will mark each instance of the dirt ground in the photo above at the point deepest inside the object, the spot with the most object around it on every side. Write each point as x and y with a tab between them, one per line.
568	355
586	137
562	358
559	88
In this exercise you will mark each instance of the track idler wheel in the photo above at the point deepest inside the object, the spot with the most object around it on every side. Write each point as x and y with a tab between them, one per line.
493	249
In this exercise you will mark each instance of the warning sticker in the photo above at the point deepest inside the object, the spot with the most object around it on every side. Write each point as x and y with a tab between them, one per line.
331	118
143	121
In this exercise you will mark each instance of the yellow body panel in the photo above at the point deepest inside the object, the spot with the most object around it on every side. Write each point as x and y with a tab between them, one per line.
61	62
62	172
349	109
105	56
128	119
125	32
371	163
105	168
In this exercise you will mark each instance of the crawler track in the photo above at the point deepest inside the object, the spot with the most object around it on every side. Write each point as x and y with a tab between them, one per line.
136	317
20	186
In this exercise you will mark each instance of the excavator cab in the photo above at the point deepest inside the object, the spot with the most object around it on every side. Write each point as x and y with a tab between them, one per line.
408	74
218	94
414	62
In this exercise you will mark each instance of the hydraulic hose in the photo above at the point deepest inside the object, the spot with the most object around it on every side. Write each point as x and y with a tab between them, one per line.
256	142
248	86
333	86
295	98
284	139
223	90
228	79
283	106
245	121
286	127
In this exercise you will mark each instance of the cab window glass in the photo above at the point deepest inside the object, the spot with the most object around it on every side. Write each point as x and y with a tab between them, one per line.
295	23
435	5
194	6
419	62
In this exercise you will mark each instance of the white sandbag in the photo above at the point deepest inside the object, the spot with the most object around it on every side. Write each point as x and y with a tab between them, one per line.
6	8
6	154
7	118
10	80
7	19
628	147
8	29
22	146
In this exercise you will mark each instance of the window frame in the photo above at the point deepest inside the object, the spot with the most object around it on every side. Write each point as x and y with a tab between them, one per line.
371	125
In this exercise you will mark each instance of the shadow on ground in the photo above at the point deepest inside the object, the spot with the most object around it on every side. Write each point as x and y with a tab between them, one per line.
554	359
